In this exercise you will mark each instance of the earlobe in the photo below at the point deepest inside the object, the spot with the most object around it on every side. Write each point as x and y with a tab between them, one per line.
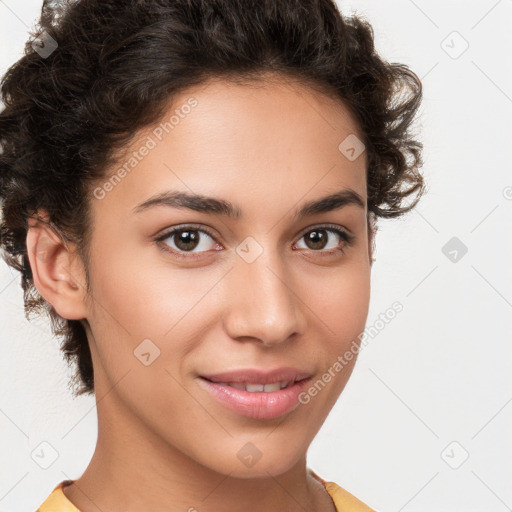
371	249
372	230
56	269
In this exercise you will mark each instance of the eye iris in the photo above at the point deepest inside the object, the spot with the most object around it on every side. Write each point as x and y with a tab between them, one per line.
185	237
317	237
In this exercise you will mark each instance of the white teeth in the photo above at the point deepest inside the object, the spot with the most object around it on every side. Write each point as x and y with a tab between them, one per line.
257	388
252	388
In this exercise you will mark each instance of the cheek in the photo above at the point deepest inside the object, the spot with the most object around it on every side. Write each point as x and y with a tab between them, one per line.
342	301
138	291
348	309
136	300
343	307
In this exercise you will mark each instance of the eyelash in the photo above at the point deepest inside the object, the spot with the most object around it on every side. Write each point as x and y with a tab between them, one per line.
348	239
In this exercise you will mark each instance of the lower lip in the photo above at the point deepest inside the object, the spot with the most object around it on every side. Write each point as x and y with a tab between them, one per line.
258	405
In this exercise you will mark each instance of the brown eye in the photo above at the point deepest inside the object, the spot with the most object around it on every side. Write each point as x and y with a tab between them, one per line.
316	239
187	239
326	239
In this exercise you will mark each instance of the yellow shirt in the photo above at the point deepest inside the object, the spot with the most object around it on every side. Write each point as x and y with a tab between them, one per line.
343	500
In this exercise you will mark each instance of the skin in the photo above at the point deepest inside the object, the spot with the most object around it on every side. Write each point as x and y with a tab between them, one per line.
163	442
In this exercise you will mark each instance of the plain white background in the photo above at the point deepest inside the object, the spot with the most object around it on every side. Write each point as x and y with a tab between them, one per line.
425	421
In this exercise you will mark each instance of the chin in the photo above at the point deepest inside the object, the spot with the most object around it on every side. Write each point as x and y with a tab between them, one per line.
256	459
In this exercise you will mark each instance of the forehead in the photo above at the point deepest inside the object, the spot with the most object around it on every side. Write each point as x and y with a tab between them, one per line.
258	138
272	107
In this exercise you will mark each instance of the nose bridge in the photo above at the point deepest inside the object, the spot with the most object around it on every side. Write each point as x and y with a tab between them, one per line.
263	304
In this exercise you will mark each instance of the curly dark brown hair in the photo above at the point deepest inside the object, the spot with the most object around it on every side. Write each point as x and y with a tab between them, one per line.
95	72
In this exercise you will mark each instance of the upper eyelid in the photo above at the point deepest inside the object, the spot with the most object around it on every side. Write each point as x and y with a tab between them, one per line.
328	226
168	232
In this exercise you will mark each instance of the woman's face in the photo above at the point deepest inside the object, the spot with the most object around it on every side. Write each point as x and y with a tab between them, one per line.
248	285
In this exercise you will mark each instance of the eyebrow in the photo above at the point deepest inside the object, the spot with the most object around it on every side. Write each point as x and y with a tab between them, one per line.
212	205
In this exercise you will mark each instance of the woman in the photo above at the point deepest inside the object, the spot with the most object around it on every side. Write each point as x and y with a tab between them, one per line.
190	189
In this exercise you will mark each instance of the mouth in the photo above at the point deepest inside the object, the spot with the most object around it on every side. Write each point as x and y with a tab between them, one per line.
255	393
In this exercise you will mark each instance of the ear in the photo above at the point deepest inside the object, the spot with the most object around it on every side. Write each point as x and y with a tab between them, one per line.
372	231
57	270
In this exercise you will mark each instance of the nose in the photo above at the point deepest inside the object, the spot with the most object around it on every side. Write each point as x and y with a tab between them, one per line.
263	303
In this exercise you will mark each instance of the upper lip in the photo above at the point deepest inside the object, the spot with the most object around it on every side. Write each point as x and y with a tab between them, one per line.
259	376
